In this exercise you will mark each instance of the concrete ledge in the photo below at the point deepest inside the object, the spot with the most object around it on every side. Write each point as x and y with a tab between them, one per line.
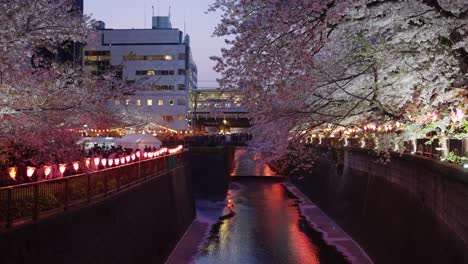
332	234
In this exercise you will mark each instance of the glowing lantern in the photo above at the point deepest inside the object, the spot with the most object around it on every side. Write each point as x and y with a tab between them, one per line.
30	171
76	166
104	162
138	154
87	162
127	158
111	162
150	155
133	156
47	170
116	161
145	155
122	160
62	168
12	171
96	161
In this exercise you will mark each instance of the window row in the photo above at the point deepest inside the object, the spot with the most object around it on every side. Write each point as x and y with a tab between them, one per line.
134	57
159	72
180	87
170	118
97	53
149	102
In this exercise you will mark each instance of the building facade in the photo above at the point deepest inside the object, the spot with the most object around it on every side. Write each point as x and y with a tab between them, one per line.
159	59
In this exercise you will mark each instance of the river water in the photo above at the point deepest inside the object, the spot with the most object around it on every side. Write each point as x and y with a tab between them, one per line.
262	224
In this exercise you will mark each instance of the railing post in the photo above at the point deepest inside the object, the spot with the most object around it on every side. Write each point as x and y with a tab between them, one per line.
118	182
65	203
9	207
105	184
35	213
88	188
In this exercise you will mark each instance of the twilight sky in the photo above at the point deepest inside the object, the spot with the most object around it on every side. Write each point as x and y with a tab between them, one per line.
131	14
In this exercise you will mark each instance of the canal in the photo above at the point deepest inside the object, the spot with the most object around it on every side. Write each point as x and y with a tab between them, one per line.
265	226
259	221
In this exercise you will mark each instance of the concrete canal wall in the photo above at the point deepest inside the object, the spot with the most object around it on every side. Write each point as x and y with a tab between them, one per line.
140	225
211	167
411	210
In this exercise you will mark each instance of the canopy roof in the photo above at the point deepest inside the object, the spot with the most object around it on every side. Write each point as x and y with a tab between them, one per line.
138	141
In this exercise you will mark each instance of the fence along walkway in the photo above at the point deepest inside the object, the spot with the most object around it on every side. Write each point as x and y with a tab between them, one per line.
28	202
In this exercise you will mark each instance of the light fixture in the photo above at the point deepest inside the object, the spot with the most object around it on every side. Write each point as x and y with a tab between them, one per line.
110	162
12	171
122	160
104	162
96	161
62	168
127	158
133	156
76	166
30	171
116	161
47	171
87	162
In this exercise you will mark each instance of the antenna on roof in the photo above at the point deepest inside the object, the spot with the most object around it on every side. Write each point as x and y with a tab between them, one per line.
153	9
169	11
144	16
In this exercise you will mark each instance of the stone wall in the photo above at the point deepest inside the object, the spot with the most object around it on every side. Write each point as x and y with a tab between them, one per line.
140	225
411	210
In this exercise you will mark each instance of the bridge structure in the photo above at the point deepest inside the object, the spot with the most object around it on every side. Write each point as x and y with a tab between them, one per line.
217	111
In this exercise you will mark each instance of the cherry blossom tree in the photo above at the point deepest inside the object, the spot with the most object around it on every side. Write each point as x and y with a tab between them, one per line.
309	65
41	98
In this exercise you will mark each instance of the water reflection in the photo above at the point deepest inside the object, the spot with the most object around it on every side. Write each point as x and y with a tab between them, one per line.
249	164
266	228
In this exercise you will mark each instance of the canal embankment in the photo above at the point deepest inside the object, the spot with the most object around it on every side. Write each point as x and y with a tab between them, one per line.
410	210
139	225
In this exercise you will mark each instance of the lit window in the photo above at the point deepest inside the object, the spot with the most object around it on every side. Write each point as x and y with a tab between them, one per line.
138	102
160	102
127	102
117	102
171	102
168	57
149	102
180	117
151	73
167	118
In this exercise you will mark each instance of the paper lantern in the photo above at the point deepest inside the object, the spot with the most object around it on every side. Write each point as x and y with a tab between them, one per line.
12	171
30	171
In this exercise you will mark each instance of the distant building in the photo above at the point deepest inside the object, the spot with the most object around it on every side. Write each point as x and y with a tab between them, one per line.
160	57
217	111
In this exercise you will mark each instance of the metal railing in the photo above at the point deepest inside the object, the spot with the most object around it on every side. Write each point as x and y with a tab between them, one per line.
421	146
31	201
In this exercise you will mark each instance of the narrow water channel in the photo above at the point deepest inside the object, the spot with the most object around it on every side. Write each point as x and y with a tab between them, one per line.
265	227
